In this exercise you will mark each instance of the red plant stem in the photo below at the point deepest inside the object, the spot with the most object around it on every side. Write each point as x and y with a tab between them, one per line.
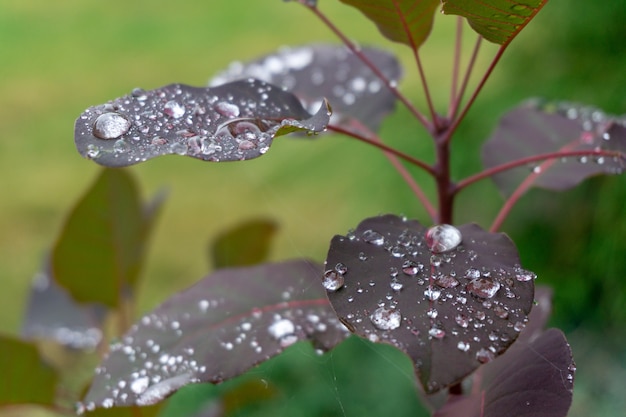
456	63
449	132
445	188
454	106
356	51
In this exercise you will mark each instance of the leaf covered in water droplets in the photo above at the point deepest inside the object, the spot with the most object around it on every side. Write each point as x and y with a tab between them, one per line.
231	122
498	21
312	72
217	329
451	301
537	128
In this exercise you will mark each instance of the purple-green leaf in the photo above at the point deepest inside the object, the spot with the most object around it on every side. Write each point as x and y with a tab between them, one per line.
100	251
404	21
450	298
498	21
232	122
246	244
537	128
315	72
26	379
217	329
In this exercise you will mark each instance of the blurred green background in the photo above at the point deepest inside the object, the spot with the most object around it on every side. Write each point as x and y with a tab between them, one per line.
57	58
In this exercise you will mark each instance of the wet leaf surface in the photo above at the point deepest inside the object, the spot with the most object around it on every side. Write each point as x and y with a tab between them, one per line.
318	71
404	21
538	127
52	314
246	244
498	21
219	328
101	248
26	379
231	122
449	310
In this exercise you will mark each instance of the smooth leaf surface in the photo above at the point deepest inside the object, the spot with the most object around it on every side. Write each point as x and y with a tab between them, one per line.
100	250
231	122
537	128
219	328
244	245
315	72
449	311
498	21
404	21
52	314
26	379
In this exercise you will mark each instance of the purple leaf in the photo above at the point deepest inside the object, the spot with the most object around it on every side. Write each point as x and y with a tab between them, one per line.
451	301
498	21
217	329
404	21
537	128
246	244
232	122
315	72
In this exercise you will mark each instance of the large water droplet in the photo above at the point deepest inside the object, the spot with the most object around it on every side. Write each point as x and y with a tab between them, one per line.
281	328
373	237
386	318
443	238
432	294
110	126
229	110
174	109
446	281
483	288
139	385
332	280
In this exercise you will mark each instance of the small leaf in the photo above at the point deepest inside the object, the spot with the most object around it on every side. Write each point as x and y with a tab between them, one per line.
315	72
404	21
449	304
232	122
26	379
539	128
99	254
217	329
247	244
498	21
52	314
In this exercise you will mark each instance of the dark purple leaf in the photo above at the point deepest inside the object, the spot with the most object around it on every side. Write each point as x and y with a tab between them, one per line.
52	314
534	378
539	128
247	244
99	254
404	21
26	379
215	330
315	72
449	304
498	21
232	122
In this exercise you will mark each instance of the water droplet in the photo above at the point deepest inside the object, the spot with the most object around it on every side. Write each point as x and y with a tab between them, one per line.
519	326
373	237
396	285
386	318
432	294
432	313
341	268
483	288
463	346
519	7
139	385
281	328
446	281
229	110
162	389
174	109
332	280
111	126
522	275
461	320
484	355
472	273
443	238
410	268
437	333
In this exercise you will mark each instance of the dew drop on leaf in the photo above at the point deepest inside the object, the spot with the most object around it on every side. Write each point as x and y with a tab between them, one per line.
373	237
174	109
110	126
281	328
484	355
443	238
229	110
386	318
332	280
162	389
139	385
483	288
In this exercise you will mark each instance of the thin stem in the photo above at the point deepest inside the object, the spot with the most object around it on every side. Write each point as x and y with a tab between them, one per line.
429	101
444	186
454	106
417	162
356	51
456	63
449	132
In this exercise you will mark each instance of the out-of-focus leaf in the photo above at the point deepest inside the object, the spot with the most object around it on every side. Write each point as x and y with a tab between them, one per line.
404	21
217	329
247	244
315	72
538	128
99	253
498	21
232	122
450	305
26	379
52	314
151	411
